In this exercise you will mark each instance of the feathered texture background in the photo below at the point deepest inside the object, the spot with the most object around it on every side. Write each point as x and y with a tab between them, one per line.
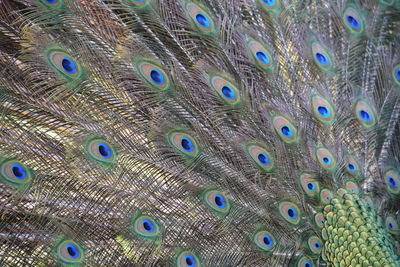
199	133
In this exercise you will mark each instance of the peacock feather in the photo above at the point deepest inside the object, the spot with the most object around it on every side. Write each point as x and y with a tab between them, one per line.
199	133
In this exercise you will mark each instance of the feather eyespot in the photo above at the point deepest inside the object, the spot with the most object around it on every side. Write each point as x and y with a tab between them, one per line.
15	173
200	18
352	187
314	244
285	129
392	181
184	143
304	262
153	75
391	224
101	151
64	63
140	3
265	241
396	74
353	20
68	251
365	114
319	220
187	259
270	5
321	57
352	166
225	89
260	54
260	156
52	3
290	212
145	226
322	109
217	201
309	185
325	158
326	196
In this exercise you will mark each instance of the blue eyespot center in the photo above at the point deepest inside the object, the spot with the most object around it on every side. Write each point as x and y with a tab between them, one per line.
68	65
311	186
156	76
392	182
323	111
189	260
390	226
18	171
228	92
308	264
148	226
322	221
263	158
317	245
262	57
352	22
286	131
326	160
397	74
322	59
104	150
187	144
203	20
292	213
219	200
269	3
72	251
51	1
364	116
351	167
267	240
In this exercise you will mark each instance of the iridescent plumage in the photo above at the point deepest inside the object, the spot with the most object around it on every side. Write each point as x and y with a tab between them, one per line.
199	133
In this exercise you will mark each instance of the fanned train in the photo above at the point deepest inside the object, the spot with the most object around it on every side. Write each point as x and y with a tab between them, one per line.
195	133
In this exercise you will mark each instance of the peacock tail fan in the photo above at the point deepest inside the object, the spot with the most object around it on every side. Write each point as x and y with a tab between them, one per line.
199	133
